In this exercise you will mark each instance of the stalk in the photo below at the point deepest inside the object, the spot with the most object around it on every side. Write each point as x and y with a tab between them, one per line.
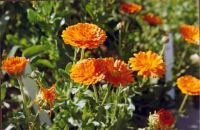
82	53
183	104
95	93
163	49
120	42
25	104
104	99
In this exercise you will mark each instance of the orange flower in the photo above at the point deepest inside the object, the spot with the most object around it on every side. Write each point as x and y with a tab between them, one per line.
152	19
190	33
148	64
14	65
48	95
88	71
117	72
130	7
166	118
84	35
189	85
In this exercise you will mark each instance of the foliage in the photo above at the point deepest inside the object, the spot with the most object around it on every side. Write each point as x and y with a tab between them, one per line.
33	30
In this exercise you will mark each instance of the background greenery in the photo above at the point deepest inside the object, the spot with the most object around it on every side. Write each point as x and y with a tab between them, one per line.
33	29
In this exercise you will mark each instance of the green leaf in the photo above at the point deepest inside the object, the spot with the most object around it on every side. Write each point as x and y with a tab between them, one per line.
35	50
68	67
33	16
13	51
45	62
63	72
3	91
90	10
66	127
46	7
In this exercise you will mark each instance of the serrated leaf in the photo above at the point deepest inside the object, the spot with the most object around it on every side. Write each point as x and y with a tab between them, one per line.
35	50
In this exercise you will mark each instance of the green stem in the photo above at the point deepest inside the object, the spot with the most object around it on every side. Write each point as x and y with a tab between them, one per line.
25	105
95	93
163	49
186	48
75	54
104	99
82	53
183	104
115	104
120	42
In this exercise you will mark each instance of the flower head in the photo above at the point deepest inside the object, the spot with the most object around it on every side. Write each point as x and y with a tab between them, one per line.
152	19
88	71
84	35
166	118
148	64
117	72
47	95
130	7
189	85
190	33
14	65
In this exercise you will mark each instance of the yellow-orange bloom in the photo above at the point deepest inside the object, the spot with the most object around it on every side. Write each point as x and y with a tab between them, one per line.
148	64
88	71
190	33
47	95
130	7
152	19
189	85
117	72
14	65
84	35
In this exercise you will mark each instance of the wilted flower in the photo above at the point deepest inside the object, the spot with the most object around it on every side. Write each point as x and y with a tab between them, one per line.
148	64
130	7
195	58
190	33
154	121
161	120
14	65
46	95
189	85
88	71
120	25
117	72
152	19
84	35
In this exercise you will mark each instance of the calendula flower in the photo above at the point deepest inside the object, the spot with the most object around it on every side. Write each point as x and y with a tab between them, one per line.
47	95
117	72
88	71
84	35
152	19
190	33
166	118
147	64
189	85
14	65
130	7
